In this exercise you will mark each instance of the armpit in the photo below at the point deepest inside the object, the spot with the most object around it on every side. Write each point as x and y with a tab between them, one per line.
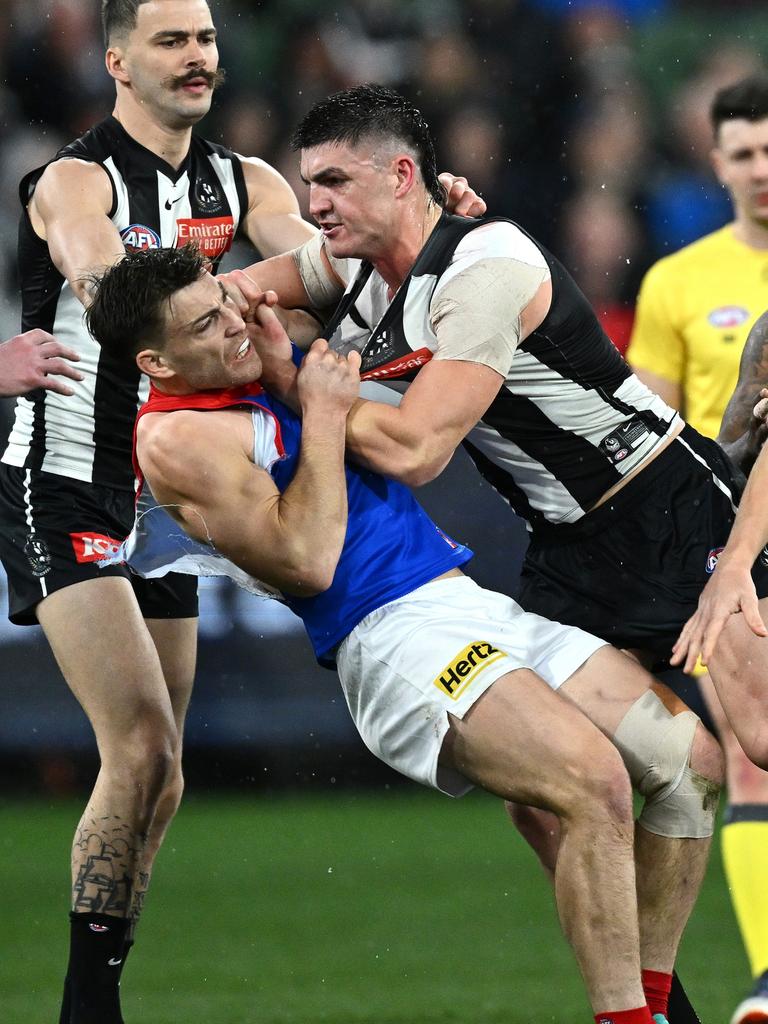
476	315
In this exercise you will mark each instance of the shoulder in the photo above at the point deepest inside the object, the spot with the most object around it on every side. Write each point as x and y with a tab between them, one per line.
703	251
498	239
187	444
265	185
74	179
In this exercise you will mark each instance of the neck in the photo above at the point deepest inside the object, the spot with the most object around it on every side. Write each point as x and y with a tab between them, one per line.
414	228
170	144
753	233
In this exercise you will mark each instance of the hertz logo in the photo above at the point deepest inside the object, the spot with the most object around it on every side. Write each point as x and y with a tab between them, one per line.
467	664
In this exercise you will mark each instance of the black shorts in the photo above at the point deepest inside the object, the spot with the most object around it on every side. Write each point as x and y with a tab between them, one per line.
631	571
54	530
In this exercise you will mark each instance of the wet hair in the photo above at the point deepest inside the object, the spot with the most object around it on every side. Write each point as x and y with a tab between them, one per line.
127	312
371	111
118	17
746	99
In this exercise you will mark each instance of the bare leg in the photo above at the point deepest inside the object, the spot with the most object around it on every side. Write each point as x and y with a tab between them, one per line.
669	871
739	671
108	658
523	743
176	644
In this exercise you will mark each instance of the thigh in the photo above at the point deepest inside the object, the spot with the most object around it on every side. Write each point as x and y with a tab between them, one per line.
739	671
107	655
53	534
176	643
525	743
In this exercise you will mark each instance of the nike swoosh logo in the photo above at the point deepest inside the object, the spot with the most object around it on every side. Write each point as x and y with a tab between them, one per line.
114	962
169	203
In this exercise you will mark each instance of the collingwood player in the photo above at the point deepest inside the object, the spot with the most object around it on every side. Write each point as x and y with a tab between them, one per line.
139	179
492	343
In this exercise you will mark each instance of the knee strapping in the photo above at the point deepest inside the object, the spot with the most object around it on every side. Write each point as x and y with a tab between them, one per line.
656	746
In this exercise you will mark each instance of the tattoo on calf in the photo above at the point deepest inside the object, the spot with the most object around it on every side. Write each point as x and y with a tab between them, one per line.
104	854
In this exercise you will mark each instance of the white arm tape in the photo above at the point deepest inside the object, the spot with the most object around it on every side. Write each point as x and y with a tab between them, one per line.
321	287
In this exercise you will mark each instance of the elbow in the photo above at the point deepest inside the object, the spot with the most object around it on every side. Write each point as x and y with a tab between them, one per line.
312	574
416	472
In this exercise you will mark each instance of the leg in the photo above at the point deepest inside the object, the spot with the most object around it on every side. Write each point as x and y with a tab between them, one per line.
108	659
744	841
669	869
175	641
738	671
523	743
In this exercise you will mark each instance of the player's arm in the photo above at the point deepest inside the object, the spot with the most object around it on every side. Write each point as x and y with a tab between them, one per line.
479	319
34	360
70	210
656	351
743	429
730	589
199	466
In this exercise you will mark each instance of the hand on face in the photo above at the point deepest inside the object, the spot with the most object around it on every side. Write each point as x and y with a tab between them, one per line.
328	379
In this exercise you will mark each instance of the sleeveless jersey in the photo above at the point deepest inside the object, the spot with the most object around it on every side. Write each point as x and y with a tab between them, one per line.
570	420
391	545
87	436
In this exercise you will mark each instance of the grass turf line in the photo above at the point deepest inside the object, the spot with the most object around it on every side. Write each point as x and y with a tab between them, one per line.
399	908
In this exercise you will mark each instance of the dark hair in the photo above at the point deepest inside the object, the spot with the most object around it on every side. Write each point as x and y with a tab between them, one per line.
126	312
118	17
371	110
747	99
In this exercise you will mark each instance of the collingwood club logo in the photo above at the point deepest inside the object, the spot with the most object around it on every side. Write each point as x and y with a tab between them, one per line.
38	555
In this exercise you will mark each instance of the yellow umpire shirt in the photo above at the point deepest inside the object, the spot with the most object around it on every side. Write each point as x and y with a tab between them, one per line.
694	312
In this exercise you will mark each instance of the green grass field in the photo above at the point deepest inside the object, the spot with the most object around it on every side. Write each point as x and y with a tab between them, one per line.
403	908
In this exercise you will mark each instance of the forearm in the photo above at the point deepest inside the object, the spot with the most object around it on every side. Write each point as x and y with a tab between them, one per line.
750	530
385	439
741	451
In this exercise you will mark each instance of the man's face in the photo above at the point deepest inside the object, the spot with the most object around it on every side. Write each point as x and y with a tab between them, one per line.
171	60
351	196
741	163
206	340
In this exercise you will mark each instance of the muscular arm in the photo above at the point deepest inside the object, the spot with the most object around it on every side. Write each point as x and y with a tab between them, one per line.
199	465
668	390
741	433
69	210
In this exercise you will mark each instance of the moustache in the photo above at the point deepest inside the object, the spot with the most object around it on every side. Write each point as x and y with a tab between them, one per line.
213	78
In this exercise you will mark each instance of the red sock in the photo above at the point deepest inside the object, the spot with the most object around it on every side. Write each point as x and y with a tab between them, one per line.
642	1015
657	986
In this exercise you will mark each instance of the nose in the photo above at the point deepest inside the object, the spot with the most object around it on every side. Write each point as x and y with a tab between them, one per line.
760	166
195	55
319	200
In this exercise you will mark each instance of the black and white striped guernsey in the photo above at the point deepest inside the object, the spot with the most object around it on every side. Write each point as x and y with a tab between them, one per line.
88	436
570	420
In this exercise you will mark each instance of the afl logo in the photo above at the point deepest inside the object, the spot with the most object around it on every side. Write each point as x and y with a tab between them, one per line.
138	237
728	316
712	558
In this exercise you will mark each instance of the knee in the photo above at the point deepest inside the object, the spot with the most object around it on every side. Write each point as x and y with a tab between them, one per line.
149	753
602	790
675	764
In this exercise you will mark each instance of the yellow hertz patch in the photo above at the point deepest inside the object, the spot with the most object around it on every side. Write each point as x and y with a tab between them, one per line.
467	664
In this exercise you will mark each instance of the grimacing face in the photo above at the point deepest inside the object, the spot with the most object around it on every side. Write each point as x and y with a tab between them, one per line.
169	59
740	160
351	195
206	340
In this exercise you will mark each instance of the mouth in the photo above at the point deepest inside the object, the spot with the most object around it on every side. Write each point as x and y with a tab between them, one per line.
243	351
196	86
330	230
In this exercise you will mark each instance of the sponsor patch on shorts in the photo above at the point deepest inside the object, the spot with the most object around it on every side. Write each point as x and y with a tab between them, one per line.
92	547
467	664
712	558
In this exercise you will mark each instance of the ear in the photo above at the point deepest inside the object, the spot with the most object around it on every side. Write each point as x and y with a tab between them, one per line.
115	62
153	363
717	159
405	172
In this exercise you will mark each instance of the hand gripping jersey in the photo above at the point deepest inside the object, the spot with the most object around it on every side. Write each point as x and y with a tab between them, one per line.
88	436
570	420
391	546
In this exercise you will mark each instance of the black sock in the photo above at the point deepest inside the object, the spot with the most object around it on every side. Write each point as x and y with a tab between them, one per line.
680	1009
96	954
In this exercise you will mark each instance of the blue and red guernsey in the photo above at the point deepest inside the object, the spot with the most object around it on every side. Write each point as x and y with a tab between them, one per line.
391	546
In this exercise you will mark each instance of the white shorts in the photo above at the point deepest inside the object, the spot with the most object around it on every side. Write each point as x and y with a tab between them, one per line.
433	652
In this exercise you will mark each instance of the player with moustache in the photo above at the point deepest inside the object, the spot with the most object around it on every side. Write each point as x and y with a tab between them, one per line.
127	649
